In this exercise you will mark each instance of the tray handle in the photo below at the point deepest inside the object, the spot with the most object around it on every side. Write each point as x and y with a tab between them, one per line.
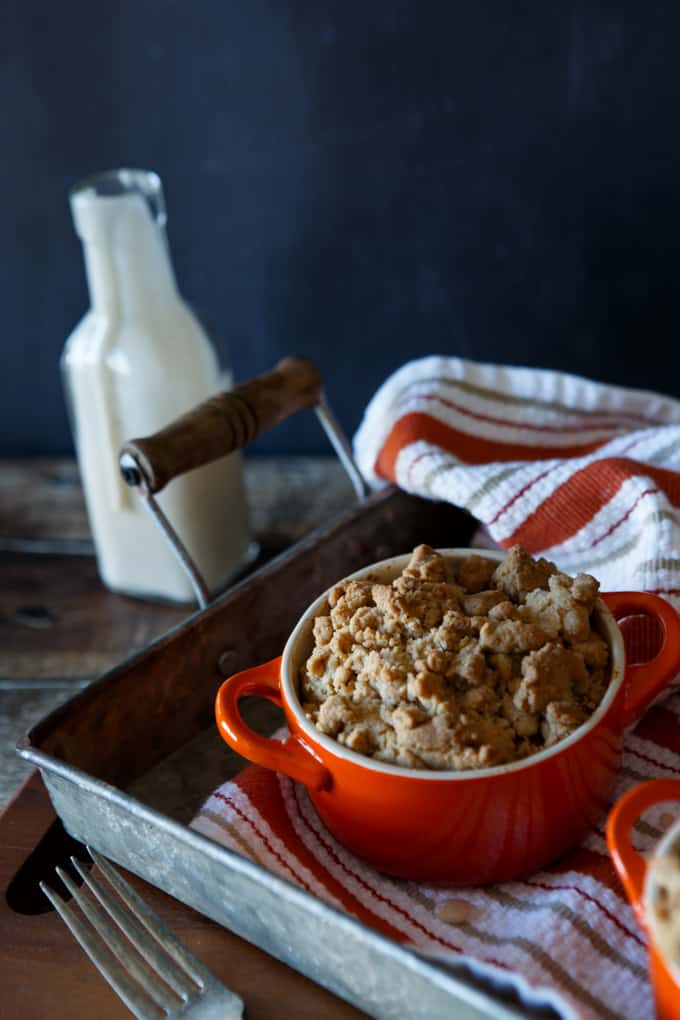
222	424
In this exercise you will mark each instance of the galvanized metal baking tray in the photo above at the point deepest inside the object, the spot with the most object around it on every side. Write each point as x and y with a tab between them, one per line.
110	758
129	760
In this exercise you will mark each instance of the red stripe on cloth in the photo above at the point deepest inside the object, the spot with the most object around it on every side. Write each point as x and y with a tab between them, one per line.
262	836
596	865
611	426
580	497
652	761
520	493
467	447
548	887
416	460
617	524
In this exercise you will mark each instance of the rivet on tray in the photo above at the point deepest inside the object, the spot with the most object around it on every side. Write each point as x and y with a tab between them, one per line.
38	617
225	663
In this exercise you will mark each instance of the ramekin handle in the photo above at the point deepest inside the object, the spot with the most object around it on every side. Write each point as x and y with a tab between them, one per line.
646	680
291	756
630	865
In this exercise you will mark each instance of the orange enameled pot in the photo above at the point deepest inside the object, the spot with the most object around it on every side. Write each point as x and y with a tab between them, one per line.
481	826
639	883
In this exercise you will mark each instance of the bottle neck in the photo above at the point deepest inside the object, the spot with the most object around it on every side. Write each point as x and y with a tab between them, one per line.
129	272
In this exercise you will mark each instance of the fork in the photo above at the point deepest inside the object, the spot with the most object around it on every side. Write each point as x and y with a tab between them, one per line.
172	982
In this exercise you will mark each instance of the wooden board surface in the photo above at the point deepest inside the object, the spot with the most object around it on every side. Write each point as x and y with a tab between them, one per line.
44	973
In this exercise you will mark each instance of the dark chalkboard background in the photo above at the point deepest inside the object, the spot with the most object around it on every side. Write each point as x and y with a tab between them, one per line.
359	182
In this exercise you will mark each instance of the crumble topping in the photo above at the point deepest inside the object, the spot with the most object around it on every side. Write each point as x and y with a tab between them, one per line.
434	671
664	914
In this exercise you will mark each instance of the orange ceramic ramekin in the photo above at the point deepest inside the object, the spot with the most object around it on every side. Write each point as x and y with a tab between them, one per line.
639	884
486	825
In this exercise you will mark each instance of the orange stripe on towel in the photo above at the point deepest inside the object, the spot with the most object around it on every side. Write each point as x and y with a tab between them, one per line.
469	448
574	503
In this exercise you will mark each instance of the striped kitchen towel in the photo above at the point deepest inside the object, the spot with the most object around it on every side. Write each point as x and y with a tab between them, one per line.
587	475
583	473
565	937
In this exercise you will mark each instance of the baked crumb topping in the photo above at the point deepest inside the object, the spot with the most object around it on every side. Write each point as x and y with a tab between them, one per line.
665	911
440	672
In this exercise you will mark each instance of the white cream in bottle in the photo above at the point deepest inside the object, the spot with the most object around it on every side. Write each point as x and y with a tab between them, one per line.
137	360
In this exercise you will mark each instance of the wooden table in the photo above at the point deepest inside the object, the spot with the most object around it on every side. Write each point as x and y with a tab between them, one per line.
60	628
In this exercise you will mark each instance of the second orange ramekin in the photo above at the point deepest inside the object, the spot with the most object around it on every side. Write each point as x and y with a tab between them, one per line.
638	881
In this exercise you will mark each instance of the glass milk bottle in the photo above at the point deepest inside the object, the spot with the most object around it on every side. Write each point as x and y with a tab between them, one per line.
137	360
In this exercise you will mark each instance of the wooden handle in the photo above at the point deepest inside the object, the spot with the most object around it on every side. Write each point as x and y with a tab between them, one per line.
223	424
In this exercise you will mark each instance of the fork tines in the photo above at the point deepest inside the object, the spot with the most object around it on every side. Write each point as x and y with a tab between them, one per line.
150	969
